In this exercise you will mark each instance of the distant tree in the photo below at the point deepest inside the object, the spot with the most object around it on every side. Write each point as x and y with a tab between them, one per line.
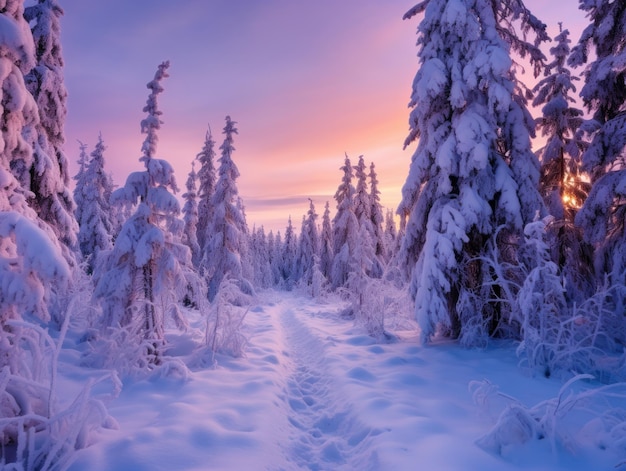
563	186
206	187
473	169
140	280
326	244
603	214
289	252
345	228
81	183
49	173
390	233
260	257
227	231
94	217
190	217
378	218
309	245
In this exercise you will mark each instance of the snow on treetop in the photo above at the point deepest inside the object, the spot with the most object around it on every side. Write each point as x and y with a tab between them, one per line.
16	42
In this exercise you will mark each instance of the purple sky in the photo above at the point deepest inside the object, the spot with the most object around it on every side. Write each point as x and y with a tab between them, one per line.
306	81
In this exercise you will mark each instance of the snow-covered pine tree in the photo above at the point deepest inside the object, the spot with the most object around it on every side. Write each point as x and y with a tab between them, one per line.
79	178
345	228
309	245
473	169
260	258
276	258
288	256
390	233
140	280
562	184
49	174
190	216
378	218
96	227
603	215
206	187
226	233
326	244
31	262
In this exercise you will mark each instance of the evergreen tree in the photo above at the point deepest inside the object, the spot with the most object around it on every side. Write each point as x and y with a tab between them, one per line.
326	244
94	217
391	234
473	169
345	228
190	216
309	245
562	184
603	214
288	256
81	182
378	218
227	231
206	187
141	278
260	257
32	267
49	174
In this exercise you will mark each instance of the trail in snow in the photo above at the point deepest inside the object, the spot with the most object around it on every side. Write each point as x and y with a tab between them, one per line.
326	432
314	392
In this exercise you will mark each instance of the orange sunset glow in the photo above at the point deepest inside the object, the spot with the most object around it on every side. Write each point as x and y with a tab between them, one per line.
306	84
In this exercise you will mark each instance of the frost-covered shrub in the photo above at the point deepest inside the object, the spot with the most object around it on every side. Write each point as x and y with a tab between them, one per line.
577	413
225	320
36	432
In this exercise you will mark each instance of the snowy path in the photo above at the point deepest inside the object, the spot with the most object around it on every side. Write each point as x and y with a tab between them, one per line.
315	393
326	432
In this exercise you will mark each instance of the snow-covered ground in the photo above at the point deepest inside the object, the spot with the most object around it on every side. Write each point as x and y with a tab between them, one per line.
314	392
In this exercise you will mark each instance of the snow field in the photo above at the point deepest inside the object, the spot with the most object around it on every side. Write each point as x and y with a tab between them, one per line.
315	393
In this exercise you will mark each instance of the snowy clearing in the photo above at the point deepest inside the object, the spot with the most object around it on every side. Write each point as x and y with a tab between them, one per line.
315	392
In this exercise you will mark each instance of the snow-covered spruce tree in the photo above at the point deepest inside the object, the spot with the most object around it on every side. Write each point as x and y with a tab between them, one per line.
190	216
79	178
603	215
49	174
345	228
378	218
32	267
562	184
390	233
260	258
94	217
288	255
326	244
309	247
275	248
226	233
206	187
140	280
473	169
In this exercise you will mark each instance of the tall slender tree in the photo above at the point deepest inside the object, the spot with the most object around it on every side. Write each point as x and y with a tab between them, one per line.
309	245
206	187
96	226
562	184
190	216
227	231
326	244
603	214
49	173
345	227
473	170
378	218
141	278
